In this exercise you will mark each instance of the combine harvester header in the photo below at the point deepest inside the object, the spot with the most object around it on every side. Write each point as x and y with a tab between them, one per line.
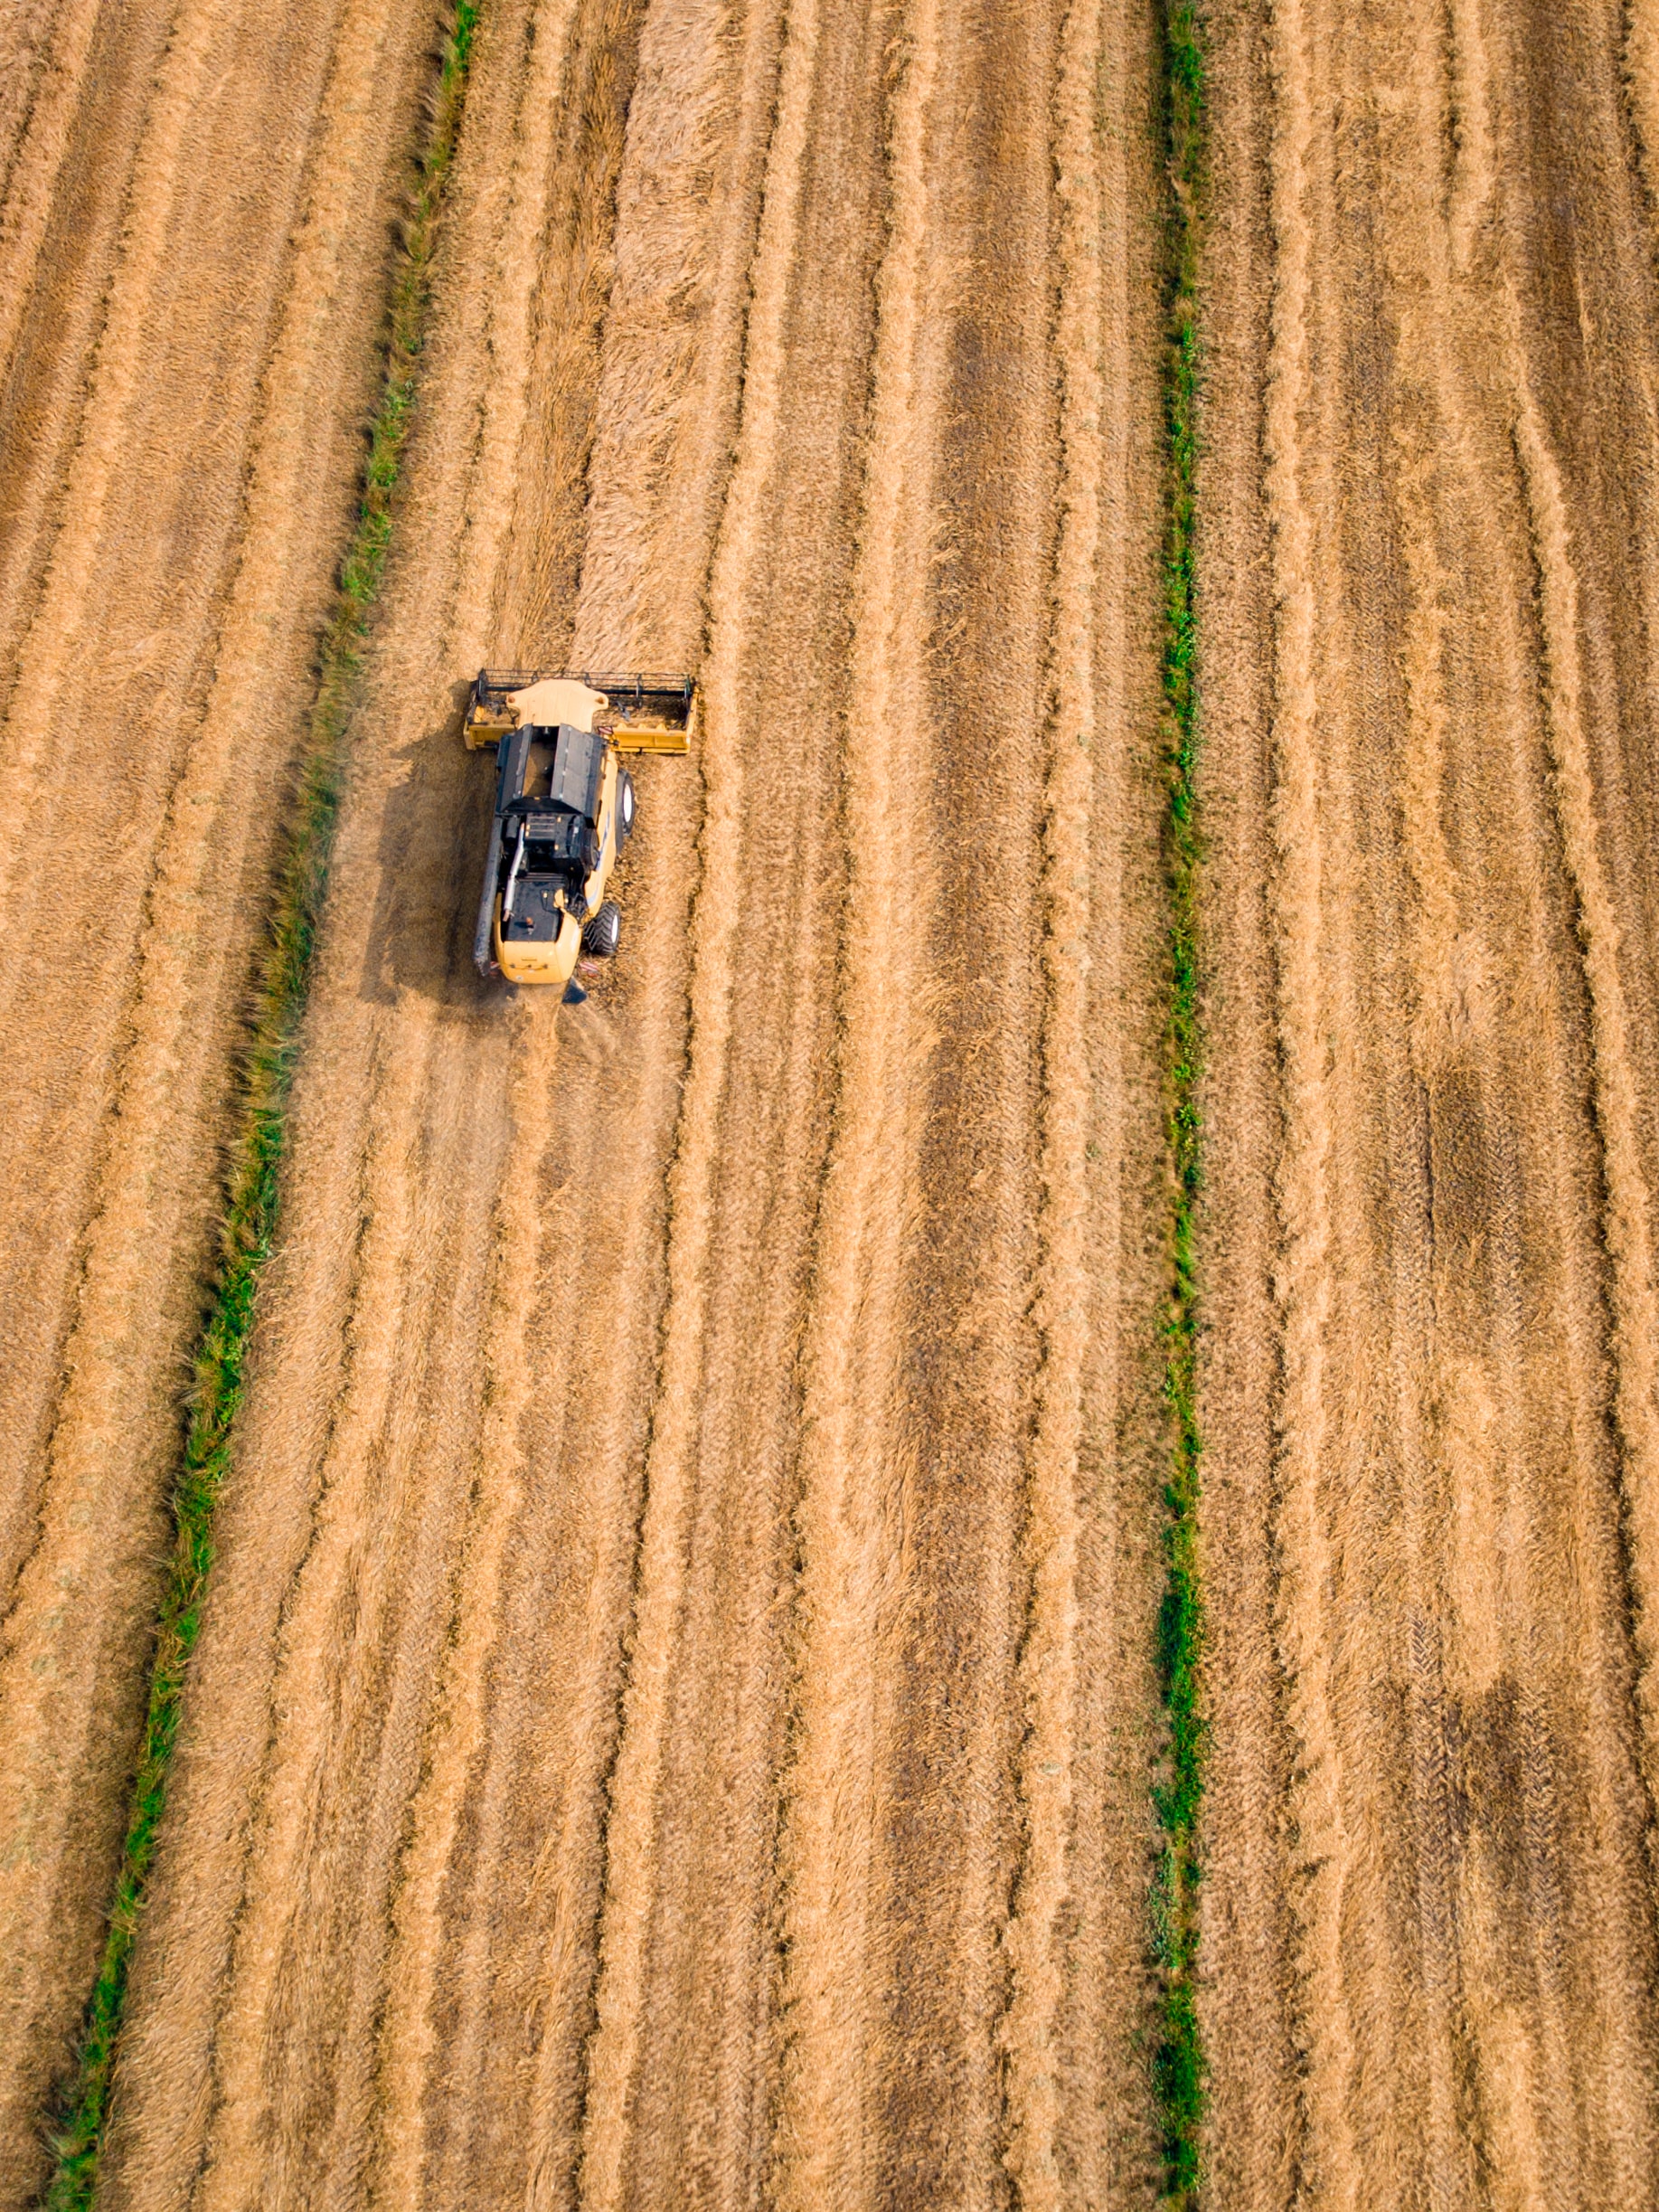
564	808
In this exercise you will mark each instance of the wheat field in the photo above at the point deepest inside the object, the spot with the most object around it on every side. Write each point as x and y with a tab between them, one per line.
686	1707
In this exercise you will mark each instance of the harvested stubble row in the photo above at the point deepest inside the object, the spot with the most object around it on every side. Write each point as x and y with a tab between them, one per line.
678	1705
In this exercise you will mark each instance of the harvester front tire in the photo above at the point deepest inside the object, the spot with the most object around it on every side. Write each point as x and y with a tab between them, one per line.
603	935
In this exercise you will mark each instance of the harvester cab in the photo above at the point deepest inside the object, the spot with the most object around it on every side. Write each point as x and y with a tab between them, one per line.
564	807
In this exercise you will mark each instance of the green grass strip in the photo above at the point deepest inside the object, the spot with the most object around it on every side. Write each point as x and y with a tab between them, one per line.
1179	2066
249	1219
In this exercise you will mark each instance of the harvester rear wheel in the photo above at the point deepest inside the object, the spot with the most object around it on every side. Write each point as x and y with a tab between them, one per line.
603	935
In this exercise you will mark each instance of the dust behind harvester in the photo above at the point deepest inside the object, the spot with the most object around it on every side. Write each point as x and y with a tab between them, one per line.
564	807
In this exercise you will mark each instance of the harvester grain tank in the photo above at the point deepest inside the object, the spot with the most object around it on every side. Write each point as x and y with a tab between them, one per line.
564	807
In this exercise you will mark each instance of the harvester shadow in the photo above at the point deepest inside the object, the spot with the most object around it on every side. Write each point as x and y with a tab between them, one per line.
433	836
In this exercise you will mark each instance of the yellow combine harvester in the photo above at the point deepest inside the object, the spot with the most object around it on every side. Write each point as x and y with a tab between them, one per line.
564	806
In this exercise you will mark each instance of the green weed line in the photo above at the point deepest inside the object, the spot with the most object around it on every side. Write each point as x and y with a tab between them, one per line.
249	1218
1178	2064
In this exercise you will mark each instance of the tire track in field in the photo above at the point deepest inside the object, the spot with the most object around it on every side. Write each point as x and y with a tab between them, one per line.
1304	1198
1374	1450
847	1492
1433	2001
1049	1660
630	1830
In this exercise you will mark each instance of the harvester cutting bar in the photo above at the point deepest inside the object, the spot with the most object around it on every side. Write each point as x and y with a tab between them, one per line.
644	713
